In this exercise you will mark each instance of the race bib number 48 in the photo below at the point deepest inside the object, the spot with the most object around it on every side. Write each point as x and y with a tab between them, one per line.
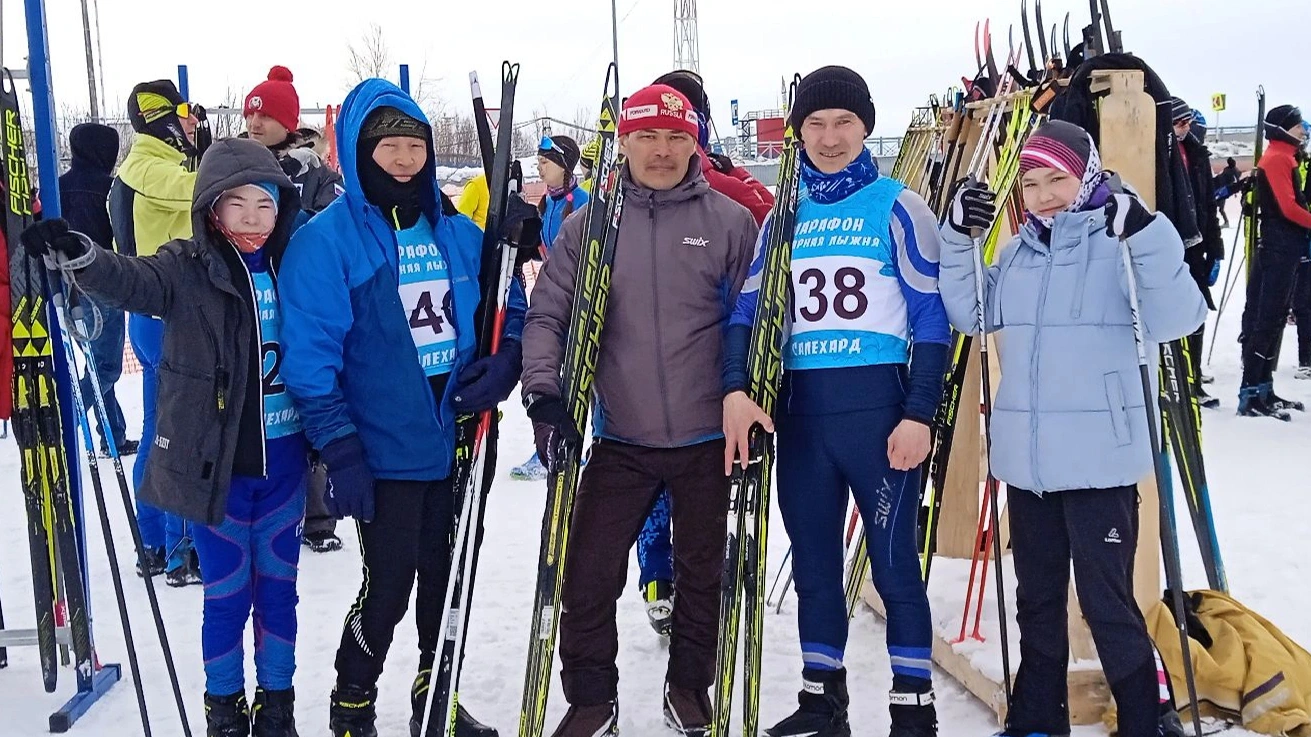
425	291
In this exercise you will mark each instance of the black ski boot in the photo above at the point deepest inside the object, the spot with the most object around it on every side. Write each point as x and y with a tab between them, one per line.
421	697
274	714
353	711
227	716
322	541
125	448
1253	403
688	711
152	562
595	720
187	574
911	705
1278	402
1206	400
659	598
823	704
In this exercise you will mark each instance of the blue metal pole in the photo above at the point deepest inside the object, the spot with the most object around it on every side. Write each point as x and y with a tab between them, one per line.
89	686
184	82
405	78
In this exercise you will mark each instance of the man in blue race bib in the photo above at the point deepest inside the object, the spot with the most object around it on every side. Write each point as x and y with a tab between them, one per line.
380	290
863	378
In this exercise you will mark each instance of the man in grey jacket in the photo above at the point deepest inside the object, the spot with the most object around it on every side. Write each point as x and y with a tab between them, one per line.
681	258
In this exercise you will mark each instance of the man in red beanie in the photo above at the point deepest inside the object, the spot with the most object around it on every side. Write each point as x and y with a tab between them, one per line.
659	390
272	112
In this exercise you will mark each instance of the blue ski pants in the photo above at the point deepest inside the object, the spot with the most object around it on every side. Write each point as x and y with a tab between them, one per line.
108	350
820	458
159	529
249	562
655	544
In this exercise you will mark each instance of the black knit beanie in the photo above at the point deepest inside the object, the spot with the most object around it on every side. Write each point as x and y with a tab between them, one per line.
1281	120
690	84
833	87
1180	110
152	110
386	122
565	153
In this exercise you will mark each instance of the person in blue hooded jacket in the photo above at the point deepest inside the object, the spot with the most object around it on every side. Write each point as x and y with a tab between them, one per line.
380	290
1069	429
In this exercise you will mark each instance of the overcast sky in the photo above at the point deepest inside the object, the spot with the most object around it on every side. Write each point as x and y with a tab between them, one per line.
906	50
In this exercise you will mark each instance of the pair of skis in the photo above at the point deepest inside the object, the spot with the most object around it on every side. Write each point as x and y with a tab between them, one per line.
37	426
582	348
476	435
57	579
742	591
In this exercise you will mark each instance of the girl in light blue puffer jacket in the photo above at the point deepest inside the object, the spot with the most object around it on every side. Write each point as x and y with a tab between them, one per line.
1069	430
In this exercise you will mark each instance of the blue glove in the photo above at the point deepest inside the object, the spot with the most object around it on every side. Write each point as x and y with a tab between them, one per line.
350	482
488	381
1215	275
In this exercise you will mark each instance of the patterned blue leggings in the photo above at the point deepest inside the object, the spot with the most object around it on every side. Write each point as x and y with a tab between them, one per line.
250	561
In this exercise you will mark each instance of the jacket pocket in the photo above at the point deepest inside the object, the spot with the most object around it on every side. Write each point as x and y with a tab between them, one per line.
187	426
1115	403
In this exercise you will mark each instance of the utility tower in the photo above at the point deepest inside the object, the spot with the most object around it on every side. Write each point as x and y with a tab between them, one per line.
687	49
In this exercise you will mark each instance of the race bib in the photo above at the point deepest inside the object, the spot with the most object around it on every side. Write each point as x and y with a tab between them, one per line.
845	314
280	418
425	291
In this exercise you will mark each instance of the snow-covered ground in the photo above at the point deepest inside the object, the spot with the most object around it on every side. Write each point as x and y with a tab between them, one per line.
1259	492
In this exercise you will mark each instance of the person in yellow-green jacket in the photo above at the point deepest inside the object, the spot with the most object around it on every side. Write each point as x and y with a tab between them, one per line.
474	200
150	205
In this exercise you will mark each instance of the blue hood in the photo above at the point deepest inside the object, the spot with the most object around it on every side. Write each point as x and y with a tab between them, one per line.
368	96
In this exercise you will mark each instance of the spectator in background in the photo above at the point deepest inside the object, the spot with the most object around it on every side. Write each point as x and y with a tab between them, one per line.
1226	186
272	111
150	205
83	192
475	199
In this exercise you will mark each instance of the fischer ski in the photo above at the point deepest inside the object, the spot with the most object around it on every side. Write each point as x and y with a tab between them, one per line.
742	591
582	346
475	443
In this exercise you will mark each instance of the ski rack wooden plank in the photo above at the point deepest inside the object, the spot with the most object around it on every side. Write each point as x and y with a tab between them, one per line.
1127	130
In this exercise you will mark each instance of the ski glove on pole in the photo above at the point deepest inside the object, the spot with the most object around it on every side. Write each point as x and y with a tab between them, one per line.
972	207
488	381
553	431
52	238
1126	216
350	482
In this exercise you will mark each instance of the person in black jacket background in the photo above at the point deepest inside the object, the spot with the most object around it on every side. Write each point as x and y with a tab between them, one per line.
83	192
1226	186
1202	257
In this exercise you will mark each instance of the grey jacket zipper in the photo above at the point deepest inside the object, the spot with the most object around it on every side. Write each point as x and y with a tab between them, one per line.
659	343
1035	362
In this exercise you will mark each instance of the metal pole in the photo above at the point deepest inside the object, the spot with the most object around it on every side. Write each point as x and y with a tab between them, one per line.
614	35
184	82
405	78
90	63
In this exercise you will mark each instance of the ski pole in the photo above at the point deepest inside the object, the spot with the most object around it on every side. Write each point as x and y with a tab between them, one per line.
995	517
1169	534
84	422
1225	291
4	652
98	394
783	568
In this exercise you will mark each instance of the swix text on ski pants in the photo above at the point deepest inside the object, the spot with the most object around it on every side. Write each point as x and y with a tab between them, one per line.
410	534
820	457
250	561
617	490
1097	529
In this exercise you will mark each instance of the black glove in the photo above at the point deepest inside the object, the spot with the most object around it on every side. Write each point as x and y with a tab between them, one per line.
972	208
53	238
350	482
1126	216
553	431
721	163
489	381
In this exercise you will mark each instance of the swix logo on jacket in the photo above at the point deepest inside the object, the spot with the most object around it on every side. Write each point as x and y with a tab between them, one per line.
696	242
848	305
